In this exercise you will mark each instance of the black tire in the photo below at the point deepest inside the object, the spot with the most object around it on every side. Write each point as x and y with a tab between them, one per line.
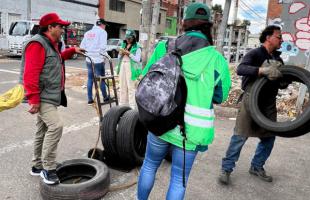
74	56
93	177
131	138
98	154
114	53
295	133
290	73
109	129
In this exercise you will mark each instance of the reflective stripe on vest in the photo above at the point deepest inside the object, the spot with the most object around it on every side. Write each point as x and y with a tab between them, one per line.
199	117
199	111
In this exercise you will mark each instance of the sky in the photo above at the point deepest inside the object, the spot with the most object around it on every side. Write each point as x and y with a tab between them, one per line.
253	10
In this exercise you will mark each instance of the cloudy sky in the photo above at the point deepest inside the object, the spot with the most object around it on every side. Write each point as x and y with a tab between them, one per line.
253	10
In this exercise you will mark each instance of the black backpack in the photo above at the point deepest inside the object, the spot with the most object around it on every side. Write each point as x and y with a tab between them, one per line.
161	94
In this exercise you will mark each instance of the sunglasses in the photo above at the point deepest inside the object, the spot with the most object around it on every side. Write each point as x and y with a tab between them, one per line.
279	37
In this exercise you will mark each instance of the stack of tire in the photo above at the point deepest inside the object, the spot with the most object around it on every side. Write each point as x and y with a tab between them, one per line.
123	137
291	128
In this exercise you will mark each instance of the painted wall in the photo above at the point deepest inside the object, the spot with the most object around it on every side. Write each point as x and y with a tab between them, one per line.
294	19
172	30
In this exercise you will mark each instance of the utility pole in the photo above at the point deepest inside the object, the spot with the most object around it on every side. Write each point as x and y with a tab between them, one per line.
145	28
231	32
28	9
155	16
180	6
223	25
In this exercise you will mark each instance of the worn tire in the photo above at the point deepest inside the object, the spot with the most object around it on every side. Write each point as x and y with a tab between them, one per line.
291	73
98	154
131	139
94	176
295	133
109	129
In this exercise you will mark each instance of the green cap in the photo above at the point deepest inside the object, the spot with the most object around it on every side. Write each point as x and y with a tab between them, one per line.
130	34
197	11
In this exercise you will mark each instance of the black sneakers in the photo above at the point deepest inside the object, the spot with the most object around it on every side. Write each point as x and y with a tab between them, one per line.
35	171
49	177
224	177
261	173
90	102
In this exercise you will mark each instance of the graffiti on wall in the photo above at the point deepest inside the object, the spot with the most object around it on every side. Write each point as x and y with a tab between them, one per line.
296	29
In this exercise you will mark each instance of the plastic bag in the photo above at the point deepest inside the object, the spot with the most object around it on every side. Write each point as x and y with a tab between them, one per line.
12	97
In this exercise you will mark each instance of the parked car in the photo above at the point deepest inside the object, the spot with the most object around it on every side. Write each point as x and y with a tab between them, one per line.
113	46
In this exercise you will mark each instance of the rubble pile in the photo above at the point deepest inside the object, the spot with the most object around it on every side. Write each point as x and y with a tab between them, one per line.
286	98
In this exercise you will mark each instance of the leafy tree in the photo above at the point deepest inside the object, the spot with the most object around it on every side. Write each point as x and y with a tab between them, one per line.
217	8
246	23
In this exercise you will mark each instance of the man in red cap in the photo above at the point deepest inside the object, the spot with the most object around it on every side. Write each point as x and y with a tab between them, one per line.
43	77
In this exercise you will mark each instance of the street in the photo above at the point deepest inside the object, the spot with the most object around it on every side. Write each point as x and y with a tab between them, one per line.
289	163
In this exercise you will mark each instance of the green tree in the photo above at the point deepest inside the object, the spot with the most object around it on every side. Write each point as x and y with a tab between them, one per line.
217	8
246	23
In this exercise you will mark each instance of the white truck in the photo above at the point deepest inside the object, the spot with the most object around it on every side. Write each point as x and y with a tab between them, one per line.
21	31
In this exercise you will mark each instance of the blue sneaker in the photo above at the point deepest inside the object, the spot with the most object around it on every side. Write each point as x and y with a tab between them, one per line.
49	177
35	171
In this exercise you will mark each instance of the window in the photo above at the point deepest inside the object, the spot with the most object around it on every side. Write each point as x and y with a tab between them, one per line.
117	5
159	18
19	29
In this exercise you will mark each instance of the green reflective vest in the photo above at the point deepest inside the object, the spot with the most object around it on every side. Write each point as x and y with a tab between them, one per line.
208	81
135	67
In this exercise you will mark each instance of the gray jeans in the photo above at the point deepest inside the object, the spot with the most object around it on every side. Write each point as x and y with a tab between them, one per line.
46	139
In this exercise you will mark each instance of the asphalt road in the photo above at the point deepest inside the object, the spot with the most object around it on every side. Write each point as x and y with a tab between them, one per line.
289	163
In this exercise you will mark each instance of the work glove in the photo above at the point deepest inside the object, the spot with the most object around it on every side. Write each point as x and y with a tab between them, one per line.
270	69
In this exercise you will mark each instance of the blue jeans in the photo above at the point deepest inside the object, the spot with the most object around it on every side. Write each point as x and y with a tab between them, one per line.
262	153
156	151
99	71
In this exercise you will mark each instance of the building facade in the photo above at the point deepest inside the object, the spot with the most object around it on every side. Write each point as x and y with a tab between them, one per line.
120	15
126	14
82	14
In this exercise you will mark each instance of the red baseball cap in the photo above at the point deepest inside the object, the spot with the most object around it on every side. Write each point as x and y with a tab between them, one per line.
51	18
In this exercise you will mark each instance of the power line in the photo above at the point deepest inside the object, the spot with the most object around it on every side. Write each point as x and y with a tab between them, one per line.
253	11
252	5
247	12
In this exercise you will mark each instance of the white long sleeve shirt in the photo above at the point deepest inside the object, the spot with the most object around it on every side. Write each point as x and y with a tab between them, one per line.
95	43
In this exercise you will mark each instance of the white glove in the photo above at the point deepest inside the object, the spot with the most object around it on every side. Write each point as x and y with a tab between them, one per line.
270	69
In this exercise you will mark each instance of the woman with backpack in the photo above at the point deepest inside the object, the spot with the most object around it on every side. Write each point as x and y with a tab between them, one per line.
129	68
208	81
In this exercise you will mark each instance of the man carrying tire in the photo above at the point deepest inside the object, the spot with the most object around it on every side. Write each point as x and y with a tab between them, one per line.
262	61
